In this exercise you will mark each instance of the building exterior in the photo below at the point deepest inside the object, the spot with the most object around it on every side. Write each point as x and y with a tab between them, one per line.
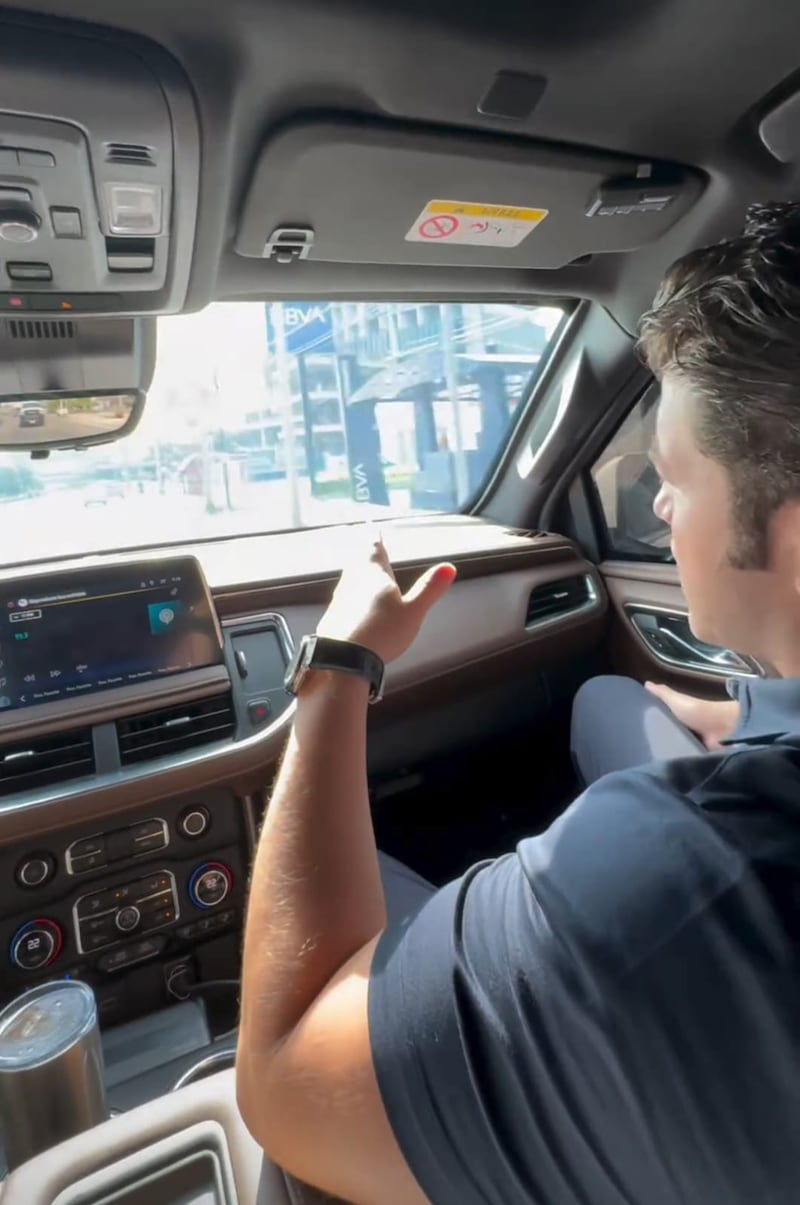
389	393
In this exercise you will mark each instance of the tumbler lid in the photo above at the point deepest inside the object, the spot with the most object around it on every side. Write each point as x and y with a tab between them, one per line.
44	1022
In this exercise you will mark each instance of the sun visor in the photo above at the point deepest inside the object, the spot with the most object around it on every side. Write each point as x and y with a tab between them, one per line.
361	192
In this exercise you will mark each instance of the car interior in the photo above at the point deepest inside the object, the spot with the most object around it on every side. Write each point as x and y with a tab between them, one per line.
272	273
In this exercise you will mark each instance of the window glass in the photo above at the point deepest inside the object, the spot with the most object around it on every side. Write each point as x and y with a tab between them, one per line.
626	485
279	416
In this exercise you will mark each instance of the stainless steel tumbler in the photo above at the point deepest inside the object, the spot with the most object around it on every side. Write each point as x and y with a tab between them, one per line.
51	1068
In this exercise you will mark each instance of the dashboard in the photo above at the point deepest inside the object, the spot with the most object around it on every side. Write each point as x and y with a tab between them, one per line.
143	712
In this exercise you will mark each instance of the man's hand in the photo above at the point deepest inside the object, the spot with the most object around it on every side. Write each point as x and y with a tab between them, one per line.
368	608
713	720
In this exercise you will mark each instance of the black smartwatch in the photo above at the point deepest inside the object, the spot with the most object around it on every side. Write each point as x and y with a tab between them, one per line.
321	652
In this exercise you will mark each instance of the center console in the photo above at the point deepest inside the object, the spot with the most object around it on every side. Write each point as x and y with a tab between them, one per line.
137	734
190	1148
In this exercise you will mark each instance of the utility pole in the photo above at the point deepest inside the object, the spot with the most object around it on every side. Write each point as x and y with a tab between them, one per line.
283	381
451	379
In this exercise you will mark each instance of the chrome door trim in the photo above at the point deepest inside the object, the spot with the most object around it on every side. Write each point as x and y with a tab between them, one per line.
740	666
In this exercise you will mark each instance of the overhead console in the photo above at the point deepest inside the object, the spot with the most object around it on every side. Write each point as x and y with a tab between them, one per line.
367	192
95	216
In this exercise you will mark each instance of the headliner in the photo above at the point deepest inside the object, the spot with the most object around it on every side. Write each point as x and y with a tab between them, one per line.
672	79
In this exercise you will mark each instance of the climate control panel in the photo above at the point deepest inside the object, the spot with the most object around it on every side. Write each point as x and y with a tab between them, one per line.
114	903
105	917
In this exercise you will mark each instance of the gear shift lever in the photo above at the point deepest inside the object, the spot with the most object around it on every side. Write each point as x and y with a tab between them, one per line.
51	1068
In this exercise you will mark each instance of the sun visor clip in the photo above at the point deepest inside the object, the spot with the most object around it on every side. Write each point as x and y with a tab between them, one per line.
641	193
289	243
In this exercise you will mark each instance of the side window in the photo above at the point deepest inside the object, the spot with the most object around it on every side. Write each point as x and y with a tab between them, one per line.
625	486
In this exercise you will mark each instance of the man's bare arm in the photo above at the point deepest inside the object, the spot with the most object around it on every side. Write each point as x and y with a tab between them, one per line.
304	1073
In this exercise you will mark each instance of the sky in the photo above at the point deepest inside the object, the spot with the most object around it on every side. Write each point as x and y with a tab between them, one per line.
226	344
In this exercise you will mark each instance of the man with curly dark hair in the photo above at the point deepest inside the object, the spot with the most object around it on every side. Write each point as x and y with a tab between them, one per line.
609	1015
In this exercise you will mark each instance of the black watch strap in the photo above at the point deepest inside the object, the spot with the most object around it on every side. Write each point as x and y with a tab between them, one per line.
322	652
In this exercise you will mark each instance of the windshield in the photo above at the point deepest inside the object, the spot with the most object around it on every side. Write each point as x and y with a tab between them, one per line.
272	417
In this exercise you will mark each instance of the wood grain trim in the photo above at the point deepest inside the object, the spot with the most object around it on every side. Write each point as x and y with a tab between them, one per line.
643	571
273	595
293	557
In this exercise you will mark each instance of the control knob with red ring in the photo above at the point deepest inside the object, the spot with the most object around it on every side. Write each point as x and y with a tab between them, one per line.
36	944
210	884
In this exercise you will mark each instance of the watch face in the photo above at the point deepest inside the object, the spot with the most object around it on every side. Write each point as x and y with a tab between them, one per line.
288	677
298	665
308	647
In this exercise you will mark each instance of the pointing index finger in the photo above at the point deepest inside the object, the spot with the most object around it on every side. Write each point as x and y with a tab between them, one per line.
378	554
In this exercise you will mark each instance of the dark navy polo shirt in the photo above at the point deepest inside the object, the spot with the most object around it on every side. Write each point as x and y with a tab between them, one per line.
611	1014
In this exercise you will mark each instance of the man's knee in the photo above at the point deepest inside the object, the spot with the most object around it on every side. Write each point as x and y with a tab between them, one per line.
600	698
617	724
588	732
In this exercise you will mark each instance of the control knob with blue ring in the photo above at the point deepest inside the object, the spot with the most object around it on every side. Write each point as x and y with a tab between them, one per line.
210	884
36	944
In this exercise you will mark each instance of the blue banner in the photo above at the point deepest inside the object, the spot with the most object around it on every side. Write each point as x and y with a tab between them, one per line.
308	326
367	481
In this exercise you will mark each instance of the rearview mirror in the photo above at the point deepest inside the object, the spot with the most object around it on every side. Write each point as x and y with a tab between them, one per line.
67	383
67	420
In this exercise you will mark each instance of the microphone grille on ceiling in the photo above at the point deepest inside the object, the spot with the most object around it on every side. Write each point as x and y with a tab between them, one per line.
513	95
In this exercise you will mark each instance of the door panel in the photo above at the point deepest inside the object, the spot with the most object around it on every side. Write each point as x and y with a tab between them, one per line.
643	588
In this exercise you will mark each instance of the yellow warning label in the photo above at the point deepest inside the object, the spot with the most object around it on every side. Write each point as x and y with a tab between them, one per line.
468	224
487	211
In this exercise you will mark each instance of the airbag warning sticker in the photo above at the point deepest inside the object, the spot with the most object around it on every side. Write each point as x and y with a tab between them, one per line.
467	225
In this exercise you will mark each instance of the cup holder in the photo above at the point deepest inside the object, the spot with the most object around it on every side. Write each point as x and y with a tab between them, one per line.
218	1060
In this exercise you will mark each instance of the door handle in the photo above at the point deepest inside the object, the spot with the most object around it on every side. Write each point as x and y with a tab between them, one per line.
706	654
668	636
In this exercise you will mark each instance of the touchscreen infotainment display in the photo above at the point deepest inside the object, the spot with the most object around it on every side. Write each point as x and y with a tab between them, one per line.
73	634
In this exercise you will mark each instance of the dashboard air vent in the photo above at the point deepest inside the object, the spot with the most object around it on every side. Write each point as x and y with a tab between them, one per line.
175	730
558	598
44	760
134	153
38	328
